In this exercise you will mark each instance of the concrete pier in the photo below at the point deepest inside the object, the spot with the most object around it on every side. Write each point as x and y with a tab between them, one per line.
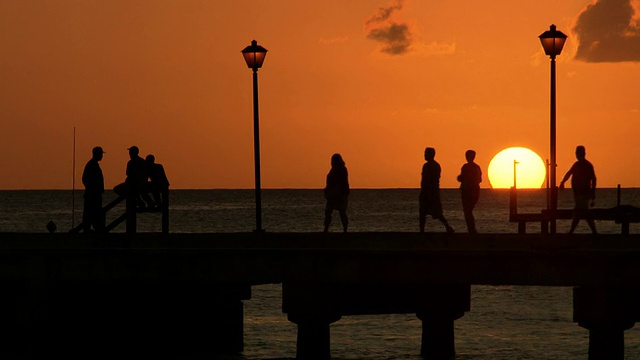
314	306
154	286
606	312
446	304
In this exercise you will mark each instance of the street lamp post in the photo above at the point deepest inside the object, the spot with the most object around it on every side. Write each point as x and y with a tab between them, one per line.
552	41
254	55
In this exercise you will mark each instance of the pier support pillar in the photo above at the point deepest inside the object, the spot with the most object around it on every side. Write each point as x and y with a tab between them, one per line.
606	313
314	335
226	328
445	304
606	341
314	306
438	339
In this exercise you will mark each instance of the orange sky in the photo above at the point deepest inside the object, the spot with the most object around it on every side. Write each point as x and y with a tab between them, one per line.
168	77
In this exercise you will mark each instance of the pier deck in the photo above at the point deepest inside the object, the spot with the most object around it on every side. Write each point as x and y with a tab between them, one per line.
531	259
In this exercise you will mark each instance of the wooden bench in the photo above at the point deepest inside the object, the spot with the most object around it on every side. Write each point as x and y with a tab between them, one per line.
621	214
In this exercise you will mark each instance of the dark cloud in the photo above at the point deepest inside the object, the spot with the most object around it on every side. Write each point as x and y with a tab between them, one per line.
396	38
608	32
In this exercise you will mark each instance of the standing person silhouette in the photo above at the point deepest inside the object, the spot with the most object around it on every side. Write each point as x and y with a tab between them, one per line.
93	182
430	203
583	183
470	178
337	192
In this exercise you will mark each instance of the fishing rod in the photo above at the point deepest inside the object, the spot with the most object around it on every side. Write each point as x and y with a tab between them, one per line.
73	181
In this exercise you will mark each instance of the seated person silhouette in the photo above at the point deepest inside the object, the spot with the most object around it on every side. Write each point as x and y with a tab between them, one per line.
135	184
158	184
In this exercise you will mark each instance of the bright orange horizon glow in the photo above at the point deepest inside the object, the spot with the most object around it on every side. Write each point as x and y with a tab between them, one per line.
530	169
376	81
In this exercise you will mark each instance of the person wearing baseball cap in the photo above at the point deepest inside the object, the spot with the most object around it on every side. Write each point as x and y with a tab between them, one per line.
93	181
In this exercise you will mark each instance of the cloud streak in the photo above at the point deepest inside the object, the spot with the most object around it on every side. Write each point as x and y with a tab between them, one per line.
384	13
396	37
609	31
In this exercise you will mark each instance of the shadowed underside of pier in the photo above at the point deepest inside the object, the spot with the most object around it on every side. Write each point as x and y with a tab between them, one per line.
145	287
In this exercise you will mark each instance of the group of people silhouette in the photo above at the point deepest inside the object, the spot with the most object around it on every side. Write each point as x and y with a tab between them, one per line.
143	177
429	201
336	191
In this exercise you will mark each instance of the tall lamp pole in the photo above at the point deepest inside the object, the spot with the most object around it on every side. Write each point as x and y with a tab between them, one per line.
254	55
552	41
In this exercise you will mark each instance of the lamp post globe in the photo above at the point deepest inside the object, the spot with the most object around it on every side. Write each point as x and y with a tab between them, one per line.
254	56
552	42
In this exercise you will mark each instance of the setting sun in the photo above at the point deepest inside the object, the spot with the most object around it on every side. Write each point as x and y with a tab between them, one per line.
530	170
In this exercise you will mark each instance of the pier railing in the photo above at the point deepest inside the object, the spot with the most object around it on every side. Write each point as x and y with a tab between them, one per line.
130	214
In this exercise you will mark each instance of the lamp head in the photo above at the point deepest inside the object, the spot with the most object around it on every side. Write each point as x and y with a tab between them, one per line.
254	55
552	41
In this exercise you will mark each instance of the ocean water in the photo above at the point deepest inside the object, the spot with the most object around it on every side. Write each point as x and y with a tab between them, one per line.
505	322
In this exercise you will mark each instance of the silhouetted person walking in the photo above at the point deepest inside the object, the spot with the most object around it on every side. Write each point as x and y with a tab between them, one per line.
583	183
470	178
93	182
159	183
337	192
430	203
